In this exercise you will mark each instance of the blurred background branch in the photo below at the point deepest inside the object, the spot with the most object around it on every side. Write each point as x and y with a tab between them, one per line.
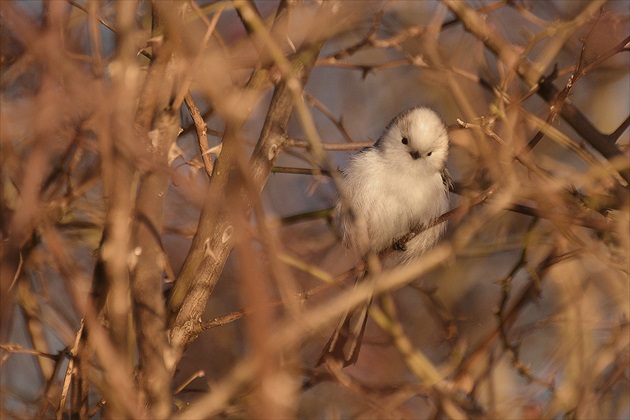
120	208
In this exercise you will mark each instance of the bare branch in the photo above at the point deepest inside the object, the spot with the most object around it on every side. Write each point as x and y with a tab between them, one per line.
509	55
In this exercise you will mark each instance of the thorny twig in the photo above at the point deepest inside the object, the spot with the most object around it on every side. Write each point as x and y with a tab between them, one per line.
581	69
506	286
322	108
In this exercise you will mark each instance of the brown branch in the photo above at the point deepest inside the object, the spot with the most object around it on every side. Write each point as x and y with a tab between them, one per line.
213	237
365	68
299	171
367	40
615	135
506	286
485	9
196	375
213	242
13	348
201	130
591	223
211	26
581	69
149	312
80	407
509	316
89	12
322	108
599	224
585	128
120	390
454	213
511	56
330	146
522	157
111	276
159	132
620	47
233	316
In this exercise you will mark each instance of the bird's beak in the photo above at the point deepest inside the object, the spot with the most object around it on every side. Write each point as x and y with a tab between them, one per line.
415	155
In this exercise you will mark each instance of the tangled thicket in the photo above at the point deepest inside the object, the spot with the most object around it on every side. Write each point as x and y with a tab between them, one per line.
166	167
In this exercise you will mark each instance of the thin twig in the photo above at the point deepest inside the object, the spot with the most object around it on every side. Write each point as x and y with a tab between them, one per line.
13	348
299	171
236	315
506	286
183	89
69	371
201	130
322	108
330	146
456	212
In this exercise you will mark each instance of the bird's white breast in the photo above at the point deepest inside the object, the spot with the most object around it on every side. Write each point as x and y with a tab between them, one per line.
396	200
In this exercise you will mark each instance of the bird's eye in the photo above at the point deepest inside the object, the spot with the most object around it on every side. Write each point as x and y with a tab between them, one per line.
405	140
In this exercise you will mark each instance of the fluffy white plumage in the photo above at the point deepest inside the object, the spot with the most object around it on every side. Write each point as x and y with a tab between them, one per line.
396	185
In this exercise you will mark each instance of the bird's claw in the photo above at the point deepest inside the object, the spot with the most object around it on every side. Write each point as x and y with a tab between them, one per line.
400	246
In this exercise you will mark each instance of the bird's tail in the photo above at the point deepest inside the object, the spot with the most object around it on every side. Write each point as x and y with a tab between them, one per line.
345	342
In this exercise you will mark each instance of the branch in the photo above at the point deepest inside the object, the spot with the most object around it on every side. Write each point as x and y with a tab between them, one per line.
330	146
201	129
456	212
506	285
110	286
291	333
581	69
322	108
299	171
213	241
511	56
509	316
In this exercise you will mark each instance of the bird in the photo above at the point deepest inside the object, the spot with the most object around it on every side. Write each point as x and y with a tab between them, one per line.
393	187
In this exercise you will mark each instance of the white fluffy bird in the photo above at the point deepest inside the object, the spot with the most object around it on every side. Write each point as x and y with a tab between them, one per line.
394	187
